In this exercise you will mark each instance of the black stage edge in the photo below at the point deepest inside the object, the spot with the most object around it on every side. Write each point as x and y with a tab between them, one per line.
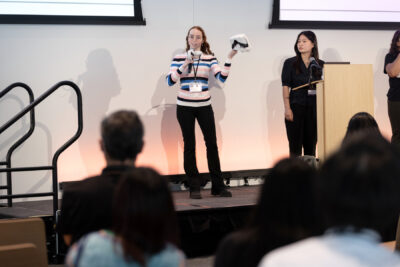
203	222
226	175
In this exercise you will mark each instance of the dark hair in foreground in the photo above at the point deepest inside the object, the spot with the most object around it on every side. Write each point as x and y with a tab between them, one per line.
284	214
143	214
122	134
361	122
285	210
394	48
359	185
286	204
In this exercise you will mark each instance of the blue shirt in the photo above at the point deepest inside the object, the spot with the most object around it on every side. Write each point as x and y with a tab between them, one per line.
103	249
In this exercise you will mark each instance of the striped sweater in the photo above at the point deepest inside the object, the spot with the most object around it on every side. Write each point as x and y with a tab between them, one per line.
206	64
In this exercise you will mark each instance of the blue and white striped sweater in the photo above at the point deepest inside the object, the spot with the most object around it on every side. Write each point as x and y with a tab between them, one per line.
207	64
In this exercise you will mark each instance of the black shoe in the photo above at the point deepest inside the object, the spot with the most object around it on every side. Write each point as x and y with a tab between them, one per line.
221	192
195	194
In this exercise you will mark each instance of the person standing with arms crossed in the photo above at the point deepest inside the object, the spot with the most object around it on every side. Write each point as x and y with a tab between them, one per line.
392	69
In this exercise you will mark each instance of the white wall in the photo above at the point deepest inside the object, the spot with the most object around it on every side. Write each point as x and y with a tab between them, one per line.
125	66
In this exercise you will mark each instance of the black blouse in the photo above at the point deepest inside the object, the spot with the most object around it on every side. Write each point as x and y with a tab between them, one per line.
394	83
292	79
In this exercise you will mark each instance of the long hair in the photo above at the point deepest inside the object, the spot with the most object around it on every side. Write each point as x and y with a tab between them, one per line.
394	48
285	211
359	184
361	122
205	46
314	52
143	214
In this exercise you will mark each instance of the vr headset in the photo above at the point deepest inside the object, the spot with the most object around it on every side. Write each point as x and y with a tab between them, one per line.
240	42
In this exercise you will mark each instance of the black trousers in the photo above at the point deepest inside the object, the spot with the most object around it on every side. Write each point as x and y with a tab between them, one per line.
205	117
394	117
302	131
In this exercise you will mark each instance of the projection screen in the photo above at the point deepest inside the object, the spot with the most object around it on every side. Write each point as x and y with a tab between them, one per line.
71	12
336	14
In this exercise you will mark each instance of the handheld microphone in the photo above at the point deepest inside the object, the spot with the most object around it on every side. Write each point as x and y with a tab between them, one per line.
190	57
314	63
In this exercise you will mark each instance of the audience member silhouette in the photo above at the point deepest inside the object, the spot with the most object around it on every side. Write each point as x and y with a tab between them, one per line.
361	122
284	214
87	204
358	188
144	232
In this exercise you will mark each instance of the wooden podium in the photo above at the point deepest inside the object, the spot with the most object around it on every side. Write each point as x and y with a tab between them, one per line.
345	90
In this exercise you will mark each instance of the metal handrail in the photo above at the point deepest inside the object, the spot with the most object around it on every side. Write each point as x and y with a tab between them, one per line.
8	185
53	167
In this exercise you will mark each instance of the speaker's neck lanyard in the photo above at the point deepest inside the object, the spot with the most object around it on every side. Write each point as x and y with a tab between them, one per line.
196	68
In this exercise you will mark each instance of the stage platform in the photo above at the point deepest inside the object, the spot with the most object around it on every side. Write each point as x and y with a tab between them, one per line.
202	222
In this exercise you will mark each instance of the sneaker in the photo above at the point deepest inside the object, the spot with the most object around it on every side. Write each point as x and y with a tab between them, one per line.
195	194
223	192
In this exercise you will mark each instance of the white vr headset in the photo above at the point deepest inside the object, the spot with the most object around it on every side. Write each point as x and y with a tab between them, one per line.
240	42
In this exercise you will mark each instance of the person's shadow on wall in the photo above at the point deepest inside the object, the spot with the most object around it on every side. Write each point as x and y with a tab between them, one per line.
99	83
277	141
331	55
163	103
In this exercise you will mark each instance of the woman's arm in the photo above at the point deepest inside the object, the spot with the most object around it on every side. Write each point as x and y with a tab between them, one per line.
393	69
177	68
286	103
222	74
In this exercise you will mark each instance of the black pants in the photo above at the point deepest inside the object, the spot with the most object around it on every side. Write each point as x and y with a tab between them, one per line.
394	117
205	117
302	131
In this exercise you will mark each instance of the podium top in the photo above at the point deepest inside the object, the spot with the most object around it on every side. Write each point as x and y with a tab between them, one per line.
338	62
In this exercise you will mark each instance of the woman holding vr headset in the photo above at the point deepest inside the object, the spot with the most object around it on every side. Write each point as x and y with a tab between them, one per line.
194	103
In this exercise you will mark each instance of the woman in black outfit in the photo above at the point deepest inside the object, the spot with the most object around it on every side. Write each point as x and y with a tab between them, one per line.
300	105
392	68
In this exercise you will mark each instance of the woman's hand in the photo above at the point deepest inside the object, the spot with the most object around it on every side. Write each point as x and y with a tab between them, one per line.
187	62
288	114
232	54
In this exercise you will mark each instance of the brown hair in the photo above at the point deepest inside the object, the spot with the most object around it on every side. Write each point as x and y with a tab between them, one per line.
205	46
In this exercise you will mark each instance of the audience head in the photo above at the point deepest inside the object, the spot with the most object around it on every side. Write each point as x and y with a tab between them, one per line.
143	214
359	185
286	203
122	135
361	122
395	44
